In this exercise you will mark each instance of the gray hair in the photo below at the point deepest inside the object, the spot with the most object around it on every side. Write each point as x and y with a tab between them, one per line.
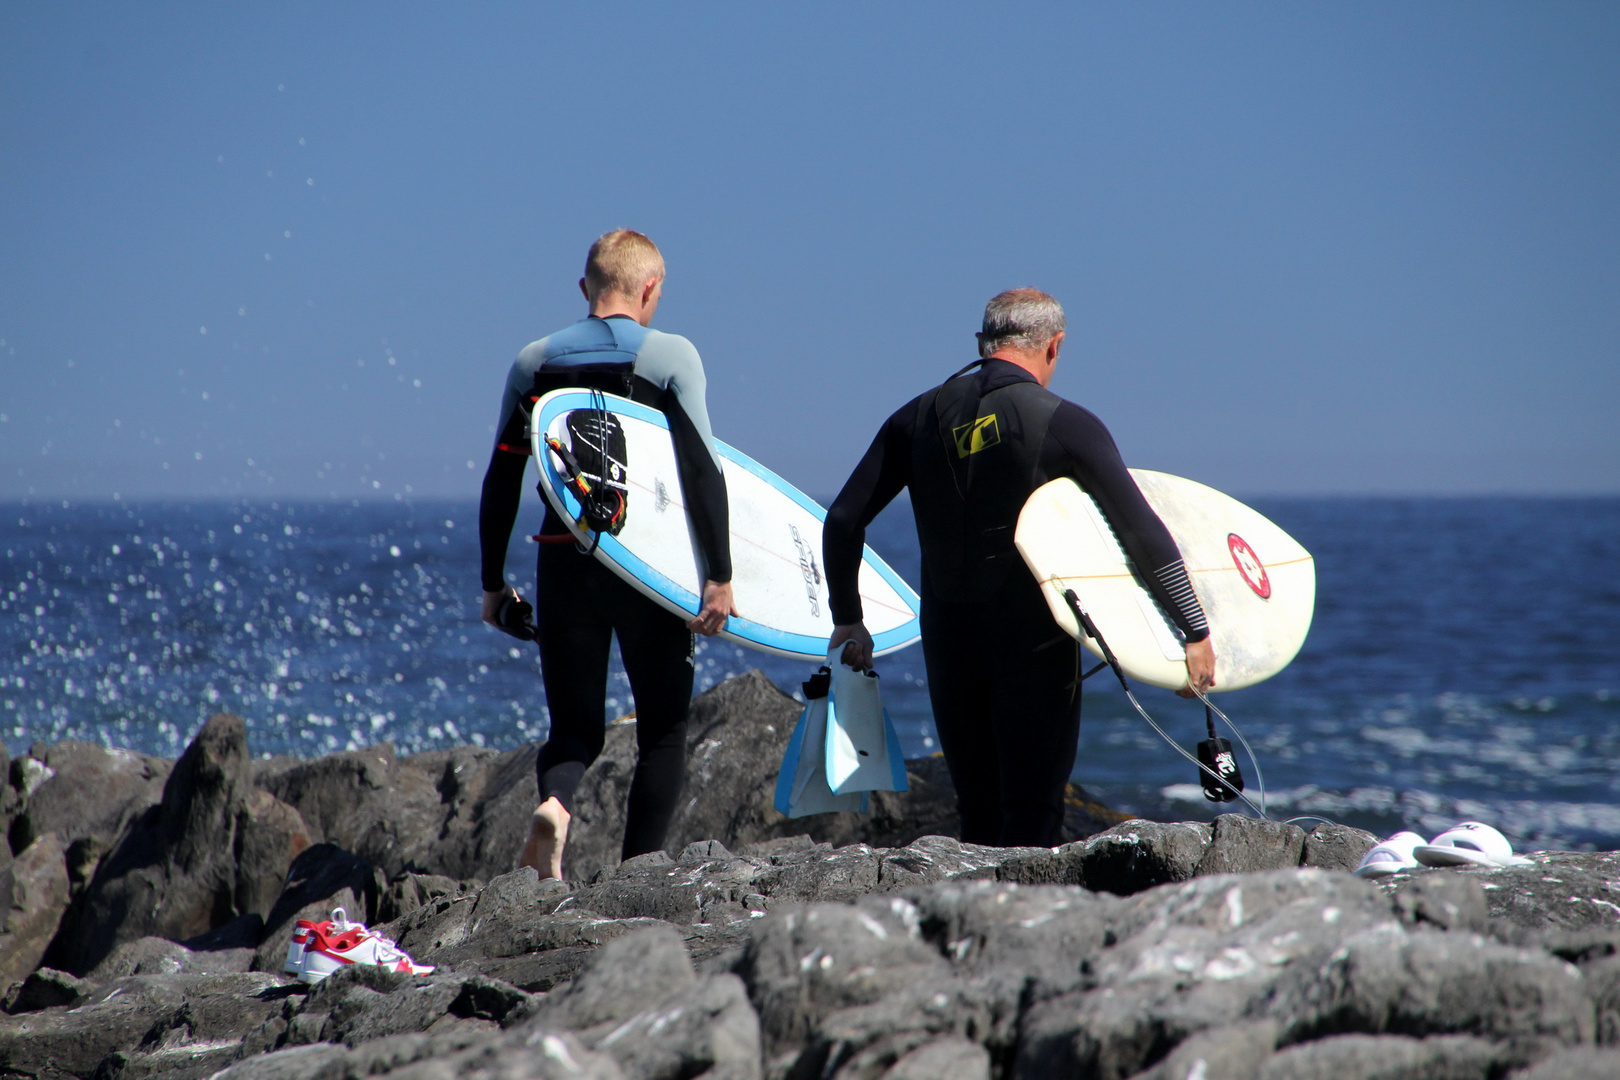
1023	318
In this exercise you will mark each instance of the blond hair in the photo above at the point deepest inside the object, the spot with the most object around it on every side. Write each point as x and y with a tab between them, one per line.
621	261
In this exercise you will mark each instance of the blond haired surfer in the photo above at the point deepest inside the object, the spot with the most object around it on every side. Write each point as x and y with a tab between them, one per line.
580	606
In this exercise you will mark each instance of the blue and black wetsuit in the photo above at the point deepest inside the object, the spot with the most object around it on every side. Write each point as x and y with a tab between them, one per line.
1001	675
581	605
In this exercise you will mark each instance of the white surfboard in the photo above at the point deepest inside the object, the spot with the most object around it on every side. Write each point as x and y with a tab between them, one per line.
1256	583
777	579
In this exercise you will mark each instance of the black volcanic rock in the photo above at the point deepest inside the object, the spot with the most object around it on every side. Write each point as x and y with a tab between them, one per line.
487	802
160	956
361	801
409	891
176	1018
45	989
363	1003
1136	855
11	802
764	948
1243	845
1446	901
1583	1063
269	836
461	813
86	793
736	735
628	975
1439	1057
320	878
716	964
1235	1050
804	963
949	1058
1331	846
33	898
519	1055
209	851
641	1001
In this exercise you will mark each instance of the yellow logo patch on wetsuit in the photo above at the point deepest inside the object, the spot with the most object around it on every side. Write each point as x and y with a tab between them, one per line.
981	434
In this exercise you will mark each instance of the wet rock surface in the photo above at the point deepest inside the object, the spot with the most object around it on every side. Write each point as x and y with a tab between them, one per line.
84	793
755	947
33	898
736	735
197	859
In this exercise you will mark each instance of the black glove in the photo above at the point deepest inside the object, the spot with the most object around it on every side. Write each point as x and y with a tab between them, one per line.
516	617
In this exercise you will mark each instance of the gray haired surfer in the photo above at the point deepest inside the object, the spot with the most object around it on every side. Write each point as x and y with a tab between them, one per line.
1002	678
581	606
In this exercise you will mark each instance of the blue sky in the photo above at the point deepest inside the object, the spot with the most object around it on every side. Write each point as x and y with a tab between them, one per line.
282	250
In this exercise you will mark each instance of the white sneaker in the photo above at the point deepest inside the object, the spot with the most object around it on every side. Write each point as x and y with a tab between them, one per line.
335	944
1391	856
1473	843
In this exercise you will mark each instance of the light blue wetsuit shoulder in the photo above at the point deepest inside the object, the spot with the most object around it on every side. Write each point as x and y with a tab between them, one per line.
671	363
668	365
668	361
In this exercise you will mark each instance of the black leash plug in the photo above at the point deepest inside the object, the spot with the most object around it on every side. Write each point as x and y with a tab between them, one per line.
1215	754
515	616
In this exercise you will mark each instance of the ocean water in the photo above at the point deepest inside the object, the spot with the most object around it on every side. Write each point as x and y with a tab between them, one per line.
1463	662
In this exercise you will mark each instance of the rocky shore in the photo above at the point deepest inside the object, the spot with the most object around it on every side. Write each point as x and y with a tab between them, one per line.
146	906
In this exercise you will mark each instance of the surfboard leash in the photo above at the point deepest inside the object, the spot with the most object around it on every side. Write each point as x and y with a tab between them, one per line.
1259	777
592	506
1207	774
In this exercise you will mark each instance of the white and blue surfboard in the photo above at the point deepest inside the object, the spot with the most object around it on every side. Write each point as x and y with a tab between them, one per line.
778	583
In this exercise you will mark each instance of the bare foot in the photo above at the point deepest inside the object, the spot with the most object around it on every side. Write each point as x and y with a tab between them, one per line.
548	832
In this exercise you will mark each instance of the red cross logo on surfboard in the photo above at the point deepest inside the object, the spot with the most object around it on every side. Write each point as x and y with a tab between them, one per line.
1249	565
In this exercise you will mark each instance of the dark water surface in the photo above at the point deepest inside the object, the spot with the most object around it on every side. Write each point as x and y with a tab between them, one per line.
1463	662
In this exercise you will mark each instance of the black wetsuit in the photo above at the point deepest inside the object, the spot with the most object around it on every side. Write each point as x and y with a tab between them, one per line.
1002	677
581	605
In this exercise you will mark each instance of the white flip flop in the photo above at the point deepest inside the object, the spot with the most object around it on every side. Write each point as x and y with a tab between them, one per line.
1390	857
1473	843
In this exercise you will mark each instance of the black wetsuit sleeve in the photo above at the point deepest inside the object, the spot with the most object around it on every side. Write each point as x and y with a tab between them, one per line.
497	513
503	480
705	489
1079	446
881	474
